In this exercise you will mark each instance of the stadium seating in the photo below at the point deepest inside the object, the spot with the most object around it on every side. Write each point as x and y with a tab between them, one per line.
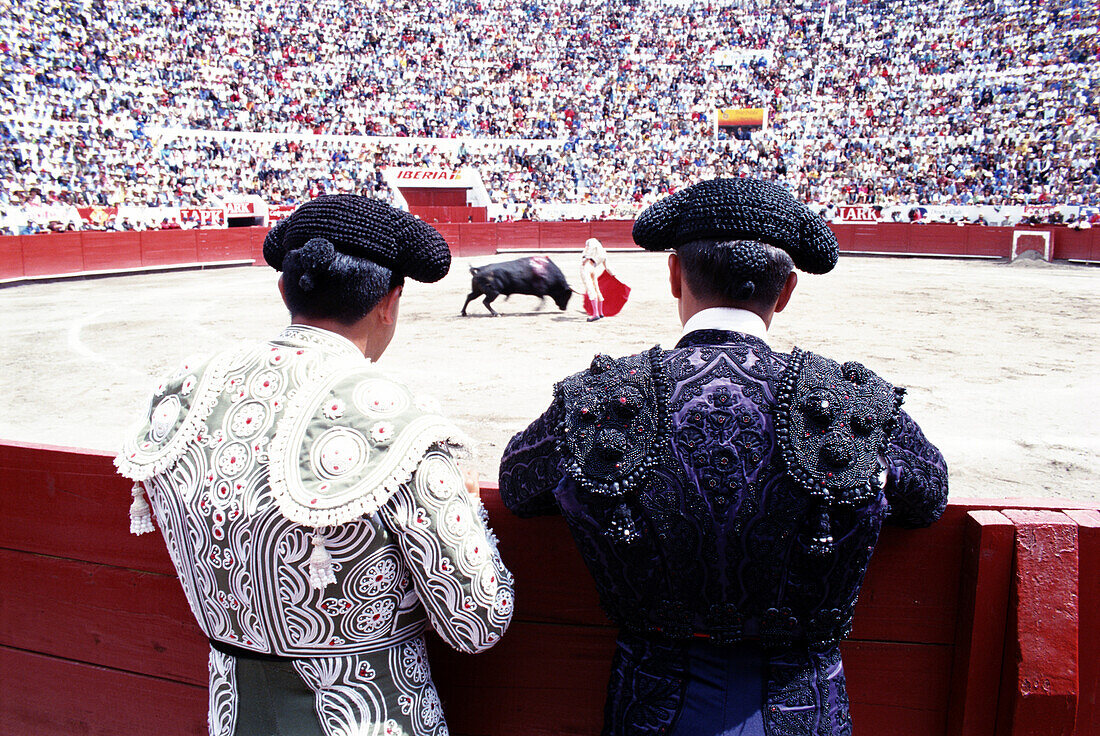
135	103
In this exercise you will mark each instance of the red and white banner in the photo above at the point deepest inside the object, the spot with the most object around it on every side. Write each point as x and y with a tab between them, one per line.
98	216
411	175
239	209
405	176
276	212
857	213
1039	210
203	216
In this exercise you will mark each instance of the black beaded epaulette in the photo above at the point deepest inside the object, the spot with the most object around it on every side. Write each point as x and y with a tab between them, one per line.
613	419
832	426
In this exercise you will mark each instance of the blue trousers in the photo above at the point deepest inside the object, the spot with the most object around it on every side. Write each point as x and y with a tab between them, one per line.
724	695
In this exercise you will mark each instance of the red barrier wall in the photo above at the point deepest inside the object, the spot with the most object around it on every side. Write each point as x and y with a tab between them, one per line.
87	604
59	254
168	247
108	251
460	214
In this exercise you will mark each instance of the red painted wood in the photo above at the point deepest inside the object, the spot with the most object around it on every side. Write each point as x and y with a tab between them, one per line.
522	234
47	696
256	238
79	510
983	611
477	239
876	238
844	236
11	256
548	675
231	244
64	253
431	197
1039	685
912	585
167	247
54	253
107	251
552	583
456	214
567	234
125	619
1073	244
897	689
539	679
934	239
451	232
1088	634
614	233
988	241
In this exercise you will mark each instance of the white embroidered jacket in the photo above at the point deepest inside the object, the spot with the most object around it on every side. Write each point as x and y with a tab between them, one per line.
252	455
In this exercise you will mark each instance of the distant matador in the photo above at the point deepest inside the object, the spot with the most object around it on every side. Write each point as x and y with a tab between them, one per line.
312	505
726	498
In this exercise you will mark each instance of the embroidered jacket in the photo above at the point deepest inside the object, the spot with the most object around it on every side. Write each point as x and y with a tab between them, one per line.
313	510
725	490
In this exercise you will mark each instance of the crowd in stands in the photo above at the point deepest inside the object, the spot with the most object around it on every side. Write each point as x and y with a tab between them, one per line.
888	102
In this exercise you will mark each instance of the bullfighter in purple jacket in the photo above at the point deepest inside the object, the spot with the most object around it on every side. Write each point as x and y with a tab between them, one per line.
726	498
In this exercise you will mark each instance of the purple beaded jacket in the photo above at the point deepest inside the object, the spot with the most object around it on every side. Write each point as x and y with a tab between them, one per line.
726	491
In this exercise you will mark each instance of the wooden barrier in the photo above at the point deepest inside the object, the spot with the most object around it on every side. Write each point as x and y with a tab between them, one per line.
955	625
55	255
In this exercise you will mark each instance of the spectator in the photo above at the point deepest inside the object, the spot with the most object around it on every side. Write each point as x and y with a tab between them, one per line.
132	103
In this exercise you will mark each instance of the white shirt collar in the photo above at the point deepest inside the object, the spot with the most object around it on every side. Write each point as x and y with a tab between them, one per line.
730	319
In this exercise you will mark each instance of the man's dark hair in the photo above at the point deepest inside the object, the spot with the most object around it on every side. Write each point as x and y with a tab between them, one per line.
320	282
736	272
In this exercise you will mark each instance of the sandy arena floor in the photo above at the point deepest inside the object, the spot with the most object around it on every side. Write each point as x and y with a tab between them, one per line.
1002	360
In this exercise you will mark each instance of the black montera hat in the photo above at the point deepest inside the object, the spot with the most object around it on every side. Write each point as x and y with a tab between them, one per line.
363	228
739	209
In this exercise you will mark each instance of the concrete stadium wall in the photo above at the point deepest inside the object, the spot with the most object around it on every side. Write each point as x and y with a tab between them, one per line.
982	625
30	257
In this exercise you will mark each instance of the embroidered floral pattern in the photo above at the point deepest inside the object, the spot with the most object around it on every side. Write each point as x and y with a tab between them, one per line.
244	566
414	659
333	409
381	433
222	694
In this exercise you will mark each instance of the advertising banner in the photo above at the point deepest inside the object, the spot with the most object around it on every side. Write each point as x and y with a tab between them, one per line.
202	217
859	213
404	176
276	212
97	216
1038	210
742	117
235	208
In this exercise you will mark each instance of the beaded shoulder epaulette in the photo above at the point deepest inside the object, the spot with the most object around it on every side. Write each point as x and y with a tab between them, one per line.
613	419
832	425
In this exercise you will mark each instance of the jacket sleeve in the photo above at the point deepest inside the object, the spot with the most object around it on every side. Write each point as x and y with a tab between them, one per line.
443	534
916	476
531	467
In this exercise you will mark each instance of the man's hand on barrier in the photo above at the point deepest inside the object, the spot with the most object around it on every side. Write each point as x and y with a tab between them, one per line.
470	480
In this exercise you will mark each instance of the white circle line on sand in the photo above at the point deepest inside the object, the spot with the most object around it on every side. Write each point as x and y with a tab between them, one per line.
77	345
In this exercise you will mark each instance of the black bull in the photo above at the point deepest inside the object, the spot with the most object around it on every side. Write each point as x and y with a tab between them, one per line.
537	276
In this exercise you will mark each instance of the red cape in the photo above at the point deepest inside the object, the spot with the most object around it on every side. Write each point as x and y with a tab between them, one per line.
615	295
